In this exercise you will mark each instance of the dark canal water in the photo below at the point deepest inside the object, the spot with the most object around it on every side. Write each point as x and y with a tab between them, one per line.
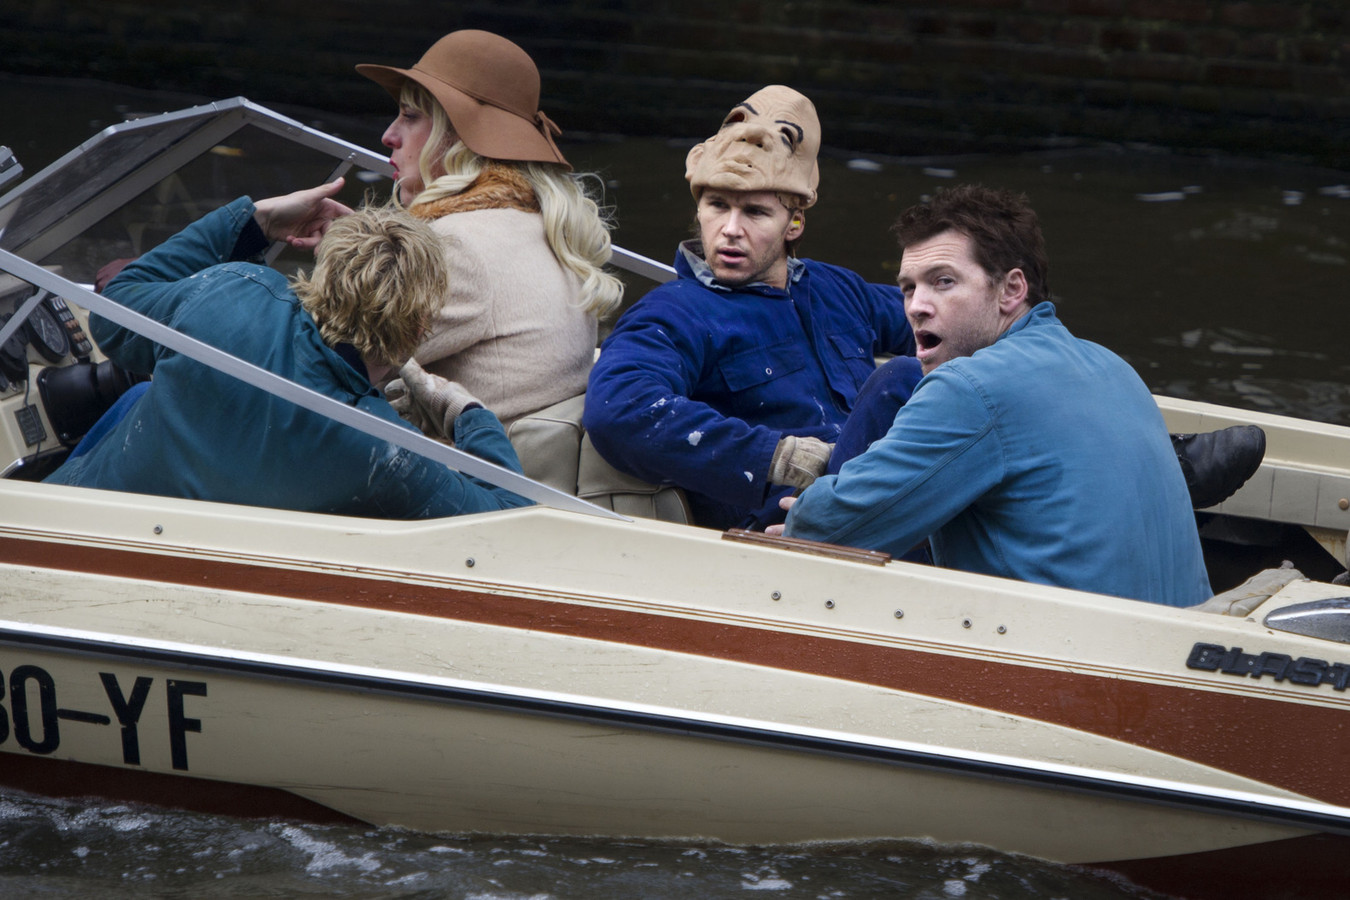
1219	279
65	849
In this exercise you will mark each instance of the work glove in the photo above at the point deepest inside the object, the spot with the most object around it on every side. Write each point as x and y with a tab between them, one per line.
798	461
428	401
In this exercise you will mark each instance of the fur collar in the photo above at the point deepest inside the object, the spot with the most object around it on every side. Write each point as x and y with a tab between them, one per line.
498	186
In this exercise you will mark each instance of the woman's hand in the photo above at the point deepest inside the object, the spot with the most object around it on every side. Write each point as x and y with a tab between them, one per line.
301	218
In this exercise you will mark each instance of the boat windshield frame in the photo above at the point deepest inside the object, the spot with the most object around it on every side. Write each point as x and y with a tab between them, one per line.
54	207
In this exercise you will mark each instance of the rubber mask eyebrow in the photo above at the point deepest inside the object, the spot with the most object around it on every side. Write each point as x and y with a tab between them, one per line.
788	138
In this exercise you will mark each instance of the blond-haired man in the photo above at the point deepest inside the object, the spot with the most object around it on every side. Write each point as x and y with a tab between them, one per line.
196	432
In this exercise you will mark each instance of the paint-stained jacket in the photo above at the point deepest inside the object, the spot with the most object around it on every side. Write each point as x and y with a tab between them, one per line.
698	382
201	434
1041	457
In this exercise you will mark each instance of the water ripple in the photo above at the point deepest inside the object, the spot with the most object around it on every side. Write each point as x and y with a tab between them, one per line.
75	849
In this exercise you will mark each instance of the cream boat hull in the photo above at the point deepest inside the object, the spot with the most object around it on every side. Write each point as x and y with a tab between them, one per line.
546	672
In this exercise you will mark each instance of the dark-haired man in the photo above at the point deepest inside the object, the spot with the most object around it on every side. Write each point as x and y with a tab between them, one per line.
1024	452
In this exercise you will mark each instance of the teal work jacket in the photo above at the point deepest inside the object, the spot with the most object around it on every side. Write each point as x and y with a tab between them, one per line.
1041	457
201	434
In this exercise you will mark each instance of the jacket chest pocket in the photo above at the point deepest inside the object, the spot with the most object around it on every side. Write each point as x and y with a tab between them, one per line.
752	368
855	349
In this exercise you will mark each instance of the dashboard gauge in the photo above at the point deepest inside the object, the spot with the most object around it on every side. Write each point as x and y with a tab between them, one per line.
49	337
79	344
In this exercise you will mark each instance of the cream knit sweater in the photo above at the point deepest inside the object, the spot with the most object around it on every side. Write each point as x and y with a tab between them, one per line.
511	330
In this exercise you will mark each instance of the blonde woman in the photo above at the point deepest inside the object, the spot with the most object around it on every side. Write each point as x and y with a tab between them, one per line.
525	242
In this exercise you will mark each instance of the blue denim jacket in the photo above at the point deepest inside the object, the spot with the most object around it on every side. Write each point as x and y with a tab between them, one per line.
1041	457
201	434
698	382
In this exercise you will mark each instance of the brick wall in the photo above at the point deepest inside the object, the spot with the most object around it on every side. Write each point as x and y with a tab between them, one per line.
905	77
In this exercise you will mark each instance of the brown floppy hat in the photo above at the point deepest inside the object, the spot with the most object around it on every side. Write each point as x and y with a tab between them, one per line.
489	87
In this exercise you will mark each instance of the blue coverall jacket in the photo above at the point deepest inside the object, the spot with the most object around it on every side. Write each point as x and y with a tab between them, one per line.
1041	457
698	382
202	434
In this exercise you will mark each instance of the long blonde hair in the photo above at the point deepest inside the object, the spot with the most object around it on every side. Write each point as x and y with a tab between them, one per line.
576	226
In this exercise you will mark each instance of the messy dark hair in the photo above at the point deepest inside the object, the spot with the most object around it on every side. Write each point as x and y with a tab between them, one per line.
1004	231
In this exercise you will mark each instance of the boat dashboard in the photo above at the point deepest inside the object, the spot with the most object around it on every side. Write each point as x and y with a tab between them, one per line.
54	384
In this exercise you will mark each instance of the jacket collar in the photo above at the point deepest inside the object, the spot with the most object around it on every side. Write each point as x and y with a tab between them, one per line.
498	186
1042	313
689	263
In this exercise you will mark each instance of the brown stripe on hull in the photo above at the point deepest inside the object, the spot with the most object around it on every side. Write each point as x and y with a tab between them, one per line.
65	778
1254	737
1314	867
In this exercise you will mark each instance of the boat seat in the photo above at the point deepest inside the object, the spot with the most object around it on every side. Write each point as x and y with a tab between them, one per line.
554	449
548	443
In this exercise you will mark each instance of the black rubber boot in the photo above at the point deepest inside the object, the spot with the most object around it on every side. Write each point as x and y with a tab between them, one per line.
1217	463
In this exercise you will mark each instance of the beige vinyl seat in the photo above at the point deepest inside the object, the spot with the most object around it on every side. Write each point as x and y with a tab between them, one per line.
554	449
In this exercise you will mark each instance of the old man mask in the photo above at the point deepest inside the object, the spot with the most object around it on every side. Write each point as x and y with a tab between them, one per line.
768	142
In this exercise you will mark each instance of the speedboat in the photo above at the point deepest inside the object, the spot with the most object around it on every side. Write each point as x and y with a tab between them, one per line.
567	669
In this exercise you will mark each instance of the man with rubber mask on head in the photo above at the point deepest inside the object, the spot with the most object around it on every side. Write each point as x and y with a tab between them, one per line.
752	373
767	142
734	380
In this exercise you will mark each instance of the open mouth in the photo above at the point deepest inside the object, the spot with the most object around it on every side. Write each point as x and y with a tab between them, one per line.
927	341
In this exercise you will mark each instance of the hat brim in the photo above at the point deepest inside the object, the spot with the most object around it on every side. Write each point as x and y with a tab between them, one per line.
487	130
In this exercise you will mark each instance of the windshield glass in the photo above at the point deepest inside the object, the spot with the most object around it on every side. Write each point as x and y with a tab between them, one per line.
132	185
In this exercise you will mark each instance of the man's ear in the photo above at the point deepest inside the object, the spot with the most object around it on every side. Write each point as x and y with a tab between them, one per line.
1014	291
796	225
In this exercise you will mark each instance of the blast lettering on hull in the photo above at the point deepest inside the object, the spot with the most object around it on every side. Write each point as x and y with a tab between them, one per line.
1278	666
